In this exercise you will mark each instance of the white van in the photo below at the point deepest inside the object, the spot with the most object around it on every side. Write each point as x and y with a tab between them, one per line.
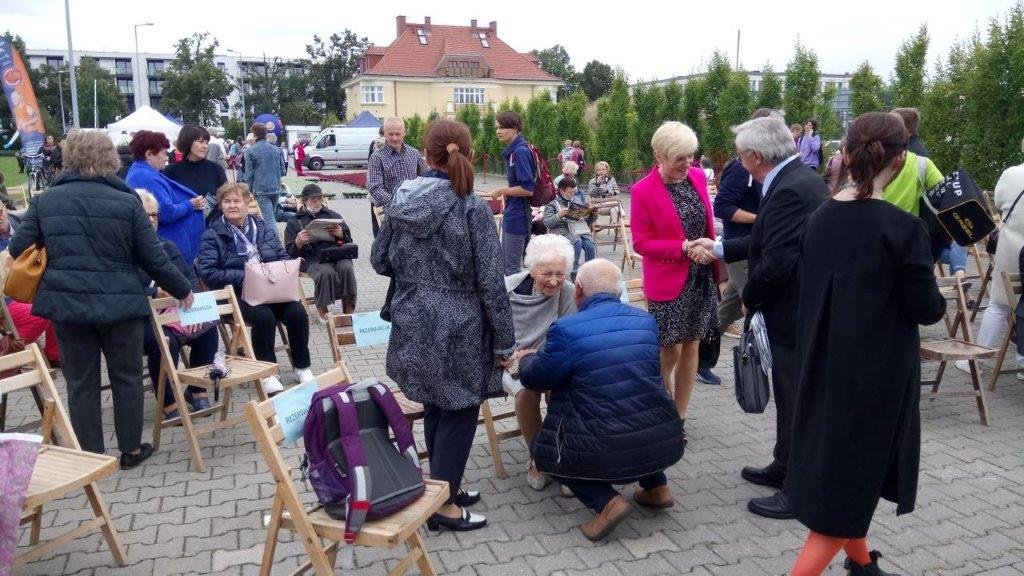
340	146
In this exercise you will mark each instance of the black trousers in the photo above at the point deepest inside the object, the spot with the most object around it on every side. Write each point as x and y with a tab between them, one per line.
121	346
449	435
596	495
202	349
264	319
373	222
784	388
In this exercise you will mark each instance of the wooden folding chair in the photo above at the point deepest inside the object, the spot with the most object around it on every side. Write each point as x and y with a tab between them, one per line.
61	466
613	210
954	348
635	292
628	255
1012	285
313	525
244	368
986	280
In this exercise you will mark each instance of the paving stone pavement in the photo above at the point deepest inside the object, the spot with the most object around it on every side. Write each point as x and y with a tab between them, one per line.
969	518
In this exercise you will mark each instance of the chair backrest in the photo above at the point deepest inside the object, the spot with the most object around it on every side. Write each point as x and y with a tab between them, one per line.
164	311
340	333
635	292
34	373
1012	285
953	289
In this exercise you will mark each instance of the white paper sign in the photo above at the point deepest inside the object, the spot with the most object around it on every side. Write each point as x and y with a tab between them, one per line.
204	309
623	294
370	329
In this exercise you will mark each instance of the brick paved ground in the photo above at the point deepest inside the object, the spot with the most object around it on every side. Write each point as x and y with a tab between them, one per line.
970	516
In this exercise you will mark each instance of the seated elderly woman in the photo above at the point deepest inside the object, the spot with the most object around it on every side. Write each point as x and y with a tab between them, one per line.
200	338
328	262
538	297
228	244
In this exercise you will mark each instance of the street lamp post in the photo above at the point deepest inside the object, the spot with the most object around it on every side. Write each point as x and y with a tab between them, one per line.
136	90
241	87
71	65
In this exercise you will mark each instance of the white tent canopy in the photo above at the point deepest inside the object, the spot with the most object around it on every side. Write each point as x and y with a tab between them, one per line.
145	118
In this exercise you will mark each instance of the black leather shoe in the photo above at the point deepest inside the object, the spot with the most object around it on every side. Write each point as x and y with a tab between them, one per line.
767	476
467	522
775	506
466	498
129	460
868	569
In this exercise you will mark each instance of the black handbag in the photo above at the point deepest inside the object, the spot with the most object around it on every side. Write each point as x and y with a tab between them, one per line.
332	254
710	349
960	207
752	390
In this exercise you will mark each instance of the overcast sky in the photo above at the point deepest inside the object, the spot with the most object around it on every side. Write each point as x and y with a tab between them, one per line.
647	39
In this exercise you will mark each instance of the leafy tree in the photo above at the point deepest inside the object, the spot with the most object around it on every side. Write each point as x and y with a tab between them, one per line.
487	141
691	112
469	115
613	127
672	103
330	119
716	135
828	120
596	79
300	112
540	124
908	75
571	123
234	128
275	83
648	103
770	94
555	61
331	63
514	105
415	129
803	80
193	84
432	116
735	106
109	101
865	91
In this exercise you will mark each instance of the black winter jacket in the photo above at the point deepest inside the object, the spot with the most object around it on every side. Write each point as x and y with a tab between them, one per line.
96	235
219	263
309	252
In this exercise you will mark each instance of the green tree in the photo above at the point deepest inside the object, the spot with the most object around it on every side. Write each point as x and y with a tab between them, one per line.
865	91
469	114
303	113
234	128
274	83
330	119
570	112
717	137
330	64
487	141
735	106
908	74
648	103
193	84
596	79
770	94
109	101
672	103
828	120
540	124
555	61
432	116
691	112
415	129
613	127
803	80
942	112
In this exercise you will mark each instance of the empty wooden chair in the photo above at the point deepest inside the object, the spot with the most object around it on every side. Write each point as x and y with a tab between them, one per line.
1012	285
62	467
243	368
312	525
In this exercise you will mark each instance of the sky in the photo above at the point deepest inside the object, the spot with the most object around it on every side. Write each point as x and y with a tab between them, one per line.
648	40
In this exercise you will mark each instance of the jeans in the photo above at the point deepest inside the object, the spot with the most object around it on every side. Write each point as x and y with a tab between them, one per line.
955	257
596	495
583	244
264	319
449	436
268	207
121	345
994	326
512	247
202	349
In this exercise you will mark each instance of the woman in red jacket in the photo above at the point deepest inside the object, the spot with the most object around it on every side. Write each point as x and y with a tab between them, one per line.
669	207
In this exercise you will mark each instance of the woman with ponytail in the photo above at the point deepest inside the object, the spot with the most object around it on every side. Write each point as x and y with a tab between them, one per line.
451	323
866	285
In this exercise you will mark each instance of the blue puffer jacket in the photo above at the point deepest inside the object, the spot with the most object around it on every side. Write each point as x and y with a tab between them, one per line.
219	263
180	222
609	418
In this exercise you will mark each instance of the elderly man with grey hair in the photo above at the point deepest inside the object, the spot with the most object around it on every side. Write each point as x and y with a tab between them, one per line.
790	192
391	165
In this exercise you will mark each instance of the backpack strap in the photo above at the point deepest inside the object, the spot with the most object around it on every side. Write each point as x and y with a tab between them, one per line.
352	445
399	424
313	427
922	169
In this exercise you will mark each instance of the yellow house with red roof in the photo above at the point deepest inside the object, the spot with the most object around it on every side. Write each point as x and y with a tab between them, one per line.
431	67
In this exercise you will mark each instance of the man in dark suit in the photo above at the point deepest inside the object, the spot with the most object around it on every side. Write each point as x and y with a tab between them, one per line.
790	193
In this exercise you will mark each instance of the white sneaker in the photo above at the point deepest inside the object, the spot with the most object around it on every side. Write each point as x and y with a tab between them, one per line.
304	375
1020	375
271	385
566	491
535	478
963	365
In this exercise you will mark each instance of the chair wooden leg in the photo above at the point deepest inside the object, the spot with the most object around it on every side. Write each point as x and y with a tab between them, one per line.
158	419
416	541
492	439
1001	357
979	394
273	528
186	424
109	532
938	378
225	403
37	524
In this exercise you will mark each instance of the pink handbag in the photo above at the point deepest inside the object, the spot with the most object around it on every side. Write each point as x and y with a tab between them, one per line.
271	282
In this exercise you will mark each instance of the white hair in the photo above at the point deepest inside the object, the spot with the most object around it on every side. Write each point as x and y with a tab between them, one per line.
769	137
599	276
393	120
672	140
571	168
147	198
547	248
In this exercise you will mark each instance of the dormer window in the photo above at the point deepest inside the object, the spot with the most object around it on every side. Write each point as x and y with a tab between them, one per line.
483	39
421	34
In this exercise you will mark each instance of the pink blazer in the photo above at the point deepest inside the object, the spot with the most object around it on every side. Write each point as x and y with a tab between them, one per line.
658	234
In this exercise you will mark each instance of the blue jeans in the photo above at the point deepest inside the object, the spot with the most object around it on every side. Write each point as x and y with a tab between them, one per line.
585	244
268	206
955	257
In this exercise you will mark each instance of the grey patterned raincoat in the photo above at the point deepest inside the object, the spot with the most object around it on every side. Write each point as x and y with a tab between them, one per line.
450	314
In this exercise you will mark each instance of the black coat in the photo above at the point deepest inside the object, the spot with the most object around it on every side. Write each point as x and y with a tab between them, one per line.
309	251
186	269
219	263
867	283
96	235
773	249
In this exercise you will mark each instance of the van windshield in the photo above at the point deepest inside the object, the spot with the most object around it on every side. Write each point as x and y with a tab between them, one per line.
326	142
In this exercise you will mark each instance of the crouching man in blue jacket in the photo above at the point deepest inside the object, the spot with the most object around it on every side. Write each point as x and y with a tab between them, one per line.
609	419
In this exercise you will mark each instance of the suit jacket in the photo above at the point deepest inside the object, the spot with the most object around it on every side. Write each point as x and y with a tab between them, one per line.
658	234
773	249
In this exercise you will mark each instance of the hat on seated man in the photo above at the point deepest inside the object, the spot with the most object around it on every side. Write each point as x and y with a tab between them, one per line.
610	420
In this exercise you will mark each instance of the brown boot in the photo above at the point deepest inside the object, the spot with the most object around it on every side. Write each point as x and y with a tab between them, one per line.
602	525
657	497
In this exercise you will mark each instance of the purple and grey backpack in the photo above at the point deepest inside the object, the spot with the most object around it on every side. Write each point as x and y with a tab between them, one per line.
355	468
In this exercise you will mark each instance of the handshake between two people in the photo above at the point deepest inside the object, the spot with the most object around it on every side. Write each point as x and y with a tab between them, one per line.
700	250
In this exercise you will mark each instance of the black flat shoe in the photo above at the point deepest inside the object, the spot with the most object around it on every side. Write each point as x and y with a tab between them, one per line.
129	460
469	521
775	506
867	569
766	476
466	498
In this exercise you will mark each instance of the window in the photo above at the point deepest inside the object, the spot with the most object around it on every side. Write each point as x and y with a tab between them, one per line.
55	61
483	39
469	96
125	85
326	142
156	87
373	94
155	67
123	67
222	66
223	102
421	34
154	101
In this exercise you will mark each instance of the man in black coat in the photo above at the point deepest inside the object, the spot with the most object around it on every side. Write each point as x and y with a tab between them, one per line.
790	193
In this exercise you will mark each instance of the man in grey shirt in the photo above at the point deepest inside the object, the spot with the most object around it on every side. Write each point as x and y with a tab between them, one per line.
391	165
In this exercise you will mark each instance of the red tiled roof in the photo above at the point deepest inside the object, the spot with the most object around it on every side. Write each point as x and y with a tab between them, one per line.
407	57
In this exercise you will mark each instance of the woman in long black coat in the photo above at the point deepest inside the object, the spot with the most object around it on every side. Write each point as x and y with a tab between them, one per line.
867	283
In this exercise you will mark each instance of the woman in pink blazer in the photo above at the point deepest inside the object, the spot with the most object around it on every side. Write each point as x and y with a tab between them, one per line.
669	207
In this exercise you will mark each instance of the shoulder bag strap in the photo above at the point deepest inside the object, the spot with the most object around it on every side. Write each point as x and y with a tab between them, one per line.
1012	206
399	424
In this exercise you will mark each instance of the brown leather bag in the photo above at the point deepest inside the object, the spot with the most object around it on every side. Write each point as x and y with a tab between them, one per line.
25	274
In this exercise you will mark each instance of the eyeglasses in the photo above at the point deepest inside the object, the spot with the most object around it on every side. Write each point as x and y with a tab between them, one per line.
153	215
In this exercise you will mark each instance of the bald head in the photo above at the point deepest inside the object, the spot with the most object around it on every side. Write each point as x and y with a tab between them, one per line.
596	277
